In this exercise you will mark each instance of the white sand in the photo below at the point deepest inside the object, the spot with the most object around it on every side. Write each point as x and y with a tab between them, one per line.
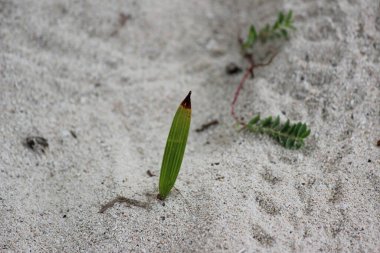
70	66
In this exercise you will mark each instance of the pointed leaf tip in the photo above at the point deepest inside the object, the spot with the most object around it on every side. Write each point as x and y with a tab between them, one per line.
186	103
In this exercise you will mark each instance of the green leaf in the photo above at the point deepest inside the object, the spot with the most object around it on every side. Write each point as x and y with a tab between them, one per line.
284	33
254	120
289	16
281	17
280	28
290	136
276	122
251	38
266	122
175	147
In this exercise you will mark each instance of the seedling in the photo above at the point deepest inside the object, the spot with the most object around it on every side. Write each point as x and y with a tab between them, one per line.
289	135
173	156
175	147
280	29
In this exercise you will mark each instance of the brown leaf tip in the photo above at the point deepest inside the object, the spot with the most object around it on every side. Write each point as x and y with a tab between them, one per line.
186	103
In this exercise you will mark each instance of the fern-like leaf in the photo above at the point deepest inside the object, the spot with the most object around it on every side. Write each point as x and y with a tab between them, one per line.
289	135
280	29
251	38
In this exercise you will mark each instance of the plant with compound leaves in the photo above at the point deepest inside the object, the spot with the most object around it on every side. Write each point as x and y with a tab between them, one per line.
289	135
175	147
280	29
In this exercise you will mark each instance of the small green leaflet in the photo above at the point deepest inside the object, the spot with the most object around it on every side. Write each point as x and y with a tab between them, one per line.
175	147
289	135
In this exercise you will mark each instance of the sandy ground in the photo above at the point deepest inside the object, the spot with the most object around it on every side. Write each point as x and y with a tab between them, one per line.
113	73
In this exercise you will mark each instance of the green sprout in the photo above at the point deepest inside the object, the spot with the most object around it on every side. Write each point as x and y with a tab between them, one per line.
280	29
175	147
290	136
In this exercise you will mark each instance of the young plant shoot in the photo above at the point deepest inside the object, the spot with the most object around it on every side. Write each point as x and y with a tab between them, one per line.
175	147
289	135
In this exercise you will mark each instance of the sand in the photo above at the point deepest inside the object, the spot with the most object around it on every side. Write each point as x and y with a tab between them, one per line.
101	80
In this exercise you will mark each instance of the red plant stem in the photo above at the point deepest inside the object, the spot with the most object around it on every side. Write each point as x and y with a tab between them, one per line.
249	71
